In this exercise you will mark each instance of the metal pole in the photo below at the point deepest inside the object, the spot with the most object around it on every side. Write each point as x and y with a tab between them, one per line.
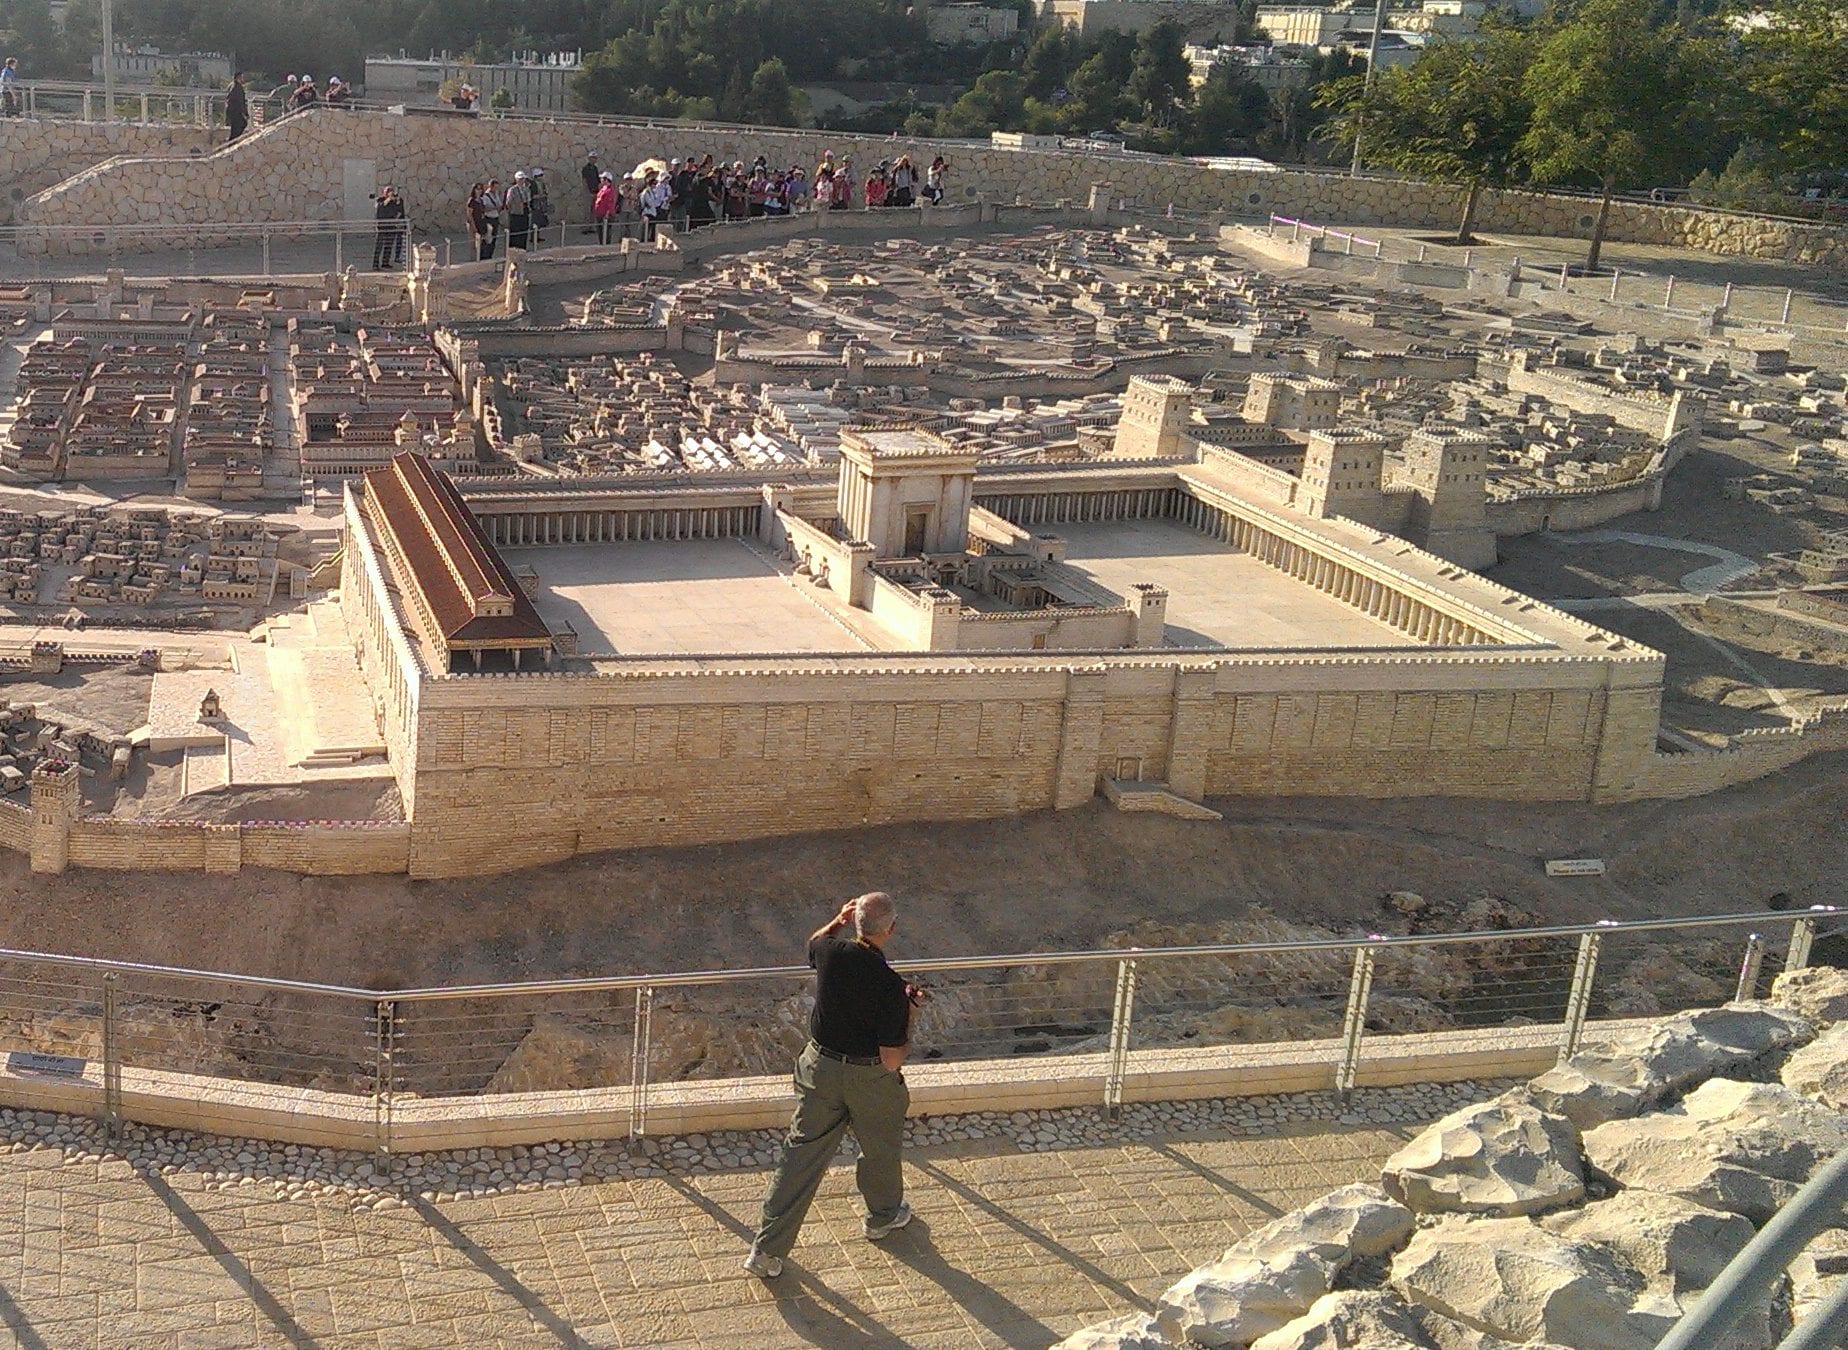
108	60
1421	253
638	1062
1565	274
266	253
1816	1207
1668	297
384	1071
1366	84
1748	969
1360	987
1789	294
112	1063
339	246
1121	1015
1578	1001
1616	276
1726	299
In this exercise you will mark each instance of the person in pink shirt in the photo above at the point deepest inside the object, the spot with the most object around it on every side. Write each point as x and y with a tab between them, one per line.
843	186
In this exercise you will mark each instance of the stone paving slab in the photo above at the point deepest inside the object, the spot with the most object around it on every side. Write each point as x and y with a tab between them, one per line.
1014	1244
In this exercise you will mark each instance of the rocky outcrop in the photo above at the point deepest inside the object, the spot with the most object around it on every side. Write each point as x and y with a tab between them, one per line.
1272	1276
1819	993
1133	1332
1740	1147
1635	1068
1684	1187
1504	1157
1349	1319
1820	1069
1665	1237
1513	1279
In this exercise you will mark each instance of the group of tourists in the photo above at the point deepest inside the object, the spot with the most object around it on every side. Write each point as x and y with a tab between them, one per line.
519	212
295	94
688	193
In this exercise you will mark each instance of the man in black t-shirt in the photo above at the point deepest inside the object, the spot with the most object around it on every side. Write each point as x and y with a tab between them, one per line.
848	1076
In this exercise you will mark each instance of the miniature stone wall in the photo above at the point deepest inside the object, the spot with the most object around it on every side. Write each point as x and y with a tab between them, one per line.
287	170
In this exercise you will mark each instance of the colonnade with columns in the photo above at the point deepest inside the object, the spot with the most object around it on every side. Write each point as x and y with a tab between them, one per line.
1052	508
523	529
1378	599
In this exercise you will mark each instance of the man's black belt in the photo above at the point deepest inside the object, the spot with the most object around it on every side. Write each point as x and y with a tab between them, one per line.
864	1061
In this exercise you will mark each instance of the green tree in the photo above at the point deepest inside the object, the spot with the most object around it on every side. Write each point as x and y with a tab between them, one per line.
1229	110
1612	91
1158	80
1795	78
1047	63
996	103
1096	101
1457	115
771	99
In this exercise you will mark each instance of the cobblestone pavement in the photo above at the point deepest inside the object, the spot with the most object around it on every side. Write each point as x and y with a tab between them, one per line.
1028	1226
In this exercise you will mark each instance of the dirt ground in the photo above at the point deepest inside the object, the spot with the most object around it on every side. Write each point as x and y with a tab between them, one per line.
1050	880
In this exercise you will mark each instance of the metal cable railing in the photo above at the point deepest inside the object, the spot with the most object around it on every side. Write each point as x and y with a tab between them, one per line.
1086	1010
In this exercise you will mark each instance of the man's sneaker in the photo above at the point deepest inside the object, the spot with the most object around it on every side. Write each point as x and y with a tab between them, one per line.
765	1266
875	1231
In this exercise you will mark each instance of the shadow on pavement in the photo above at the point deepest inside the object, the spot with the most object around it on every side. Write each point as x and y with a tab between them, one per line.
267	1303
505	1279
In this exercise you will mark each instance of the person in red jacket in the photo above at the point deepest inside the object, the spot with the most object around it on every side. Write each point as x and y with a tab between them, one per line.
604	207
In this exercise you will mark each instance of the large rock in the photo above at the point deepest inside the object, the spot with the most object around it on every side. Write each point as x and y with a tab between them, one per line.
1446	1333
1819	993
1349	1320
1634	1068
1235	1300
1273	1274
1820	1069
1659	1236
1816	1272
1740	1147
1503	1157
1510	1278
1132	1332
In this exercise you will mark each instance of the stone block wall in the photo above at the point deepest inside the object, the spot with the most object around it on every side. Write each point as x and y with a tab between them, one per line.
35	155
1573	508
289	171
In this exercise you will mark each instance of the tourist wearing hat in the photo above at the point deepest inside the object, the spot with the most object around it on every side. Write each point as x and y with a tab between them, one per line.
493	207
338	92
604	206
519	203
305	95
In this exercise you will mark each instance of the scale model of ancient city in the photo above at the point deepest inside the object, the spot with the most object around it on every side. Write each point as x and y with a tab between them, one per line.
806	524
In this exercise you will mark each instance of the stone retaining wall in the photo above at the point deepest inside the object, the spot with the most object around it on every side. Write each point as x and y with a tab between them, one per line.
292	170
35	155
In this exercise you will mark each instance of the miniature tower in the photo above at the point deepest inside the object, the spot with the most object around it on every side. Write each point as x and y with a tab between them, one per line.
55	794
1446	471
1342	473
1155	413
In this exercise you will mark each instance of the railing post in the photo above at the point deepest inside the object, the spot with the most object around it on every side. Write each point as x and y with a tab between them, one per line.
86	107
1668	296
112	1063
339	244
266	252
1122	1015
1578	1000
1802	934
1789	295
1748	969
1616	276
384	1071
144	110
639	1054
1360	988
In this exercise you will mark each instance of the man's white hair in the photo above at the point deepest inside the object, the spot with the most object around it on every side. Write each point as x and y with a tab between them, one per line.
874	914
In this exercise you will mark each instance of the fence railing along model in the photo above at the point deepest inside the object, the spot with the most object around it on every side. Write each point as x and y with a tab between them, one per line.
1088	1012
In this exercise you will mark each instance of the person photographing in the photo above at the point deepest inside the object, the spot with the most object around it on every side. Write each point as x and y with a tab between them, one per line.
848	1076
